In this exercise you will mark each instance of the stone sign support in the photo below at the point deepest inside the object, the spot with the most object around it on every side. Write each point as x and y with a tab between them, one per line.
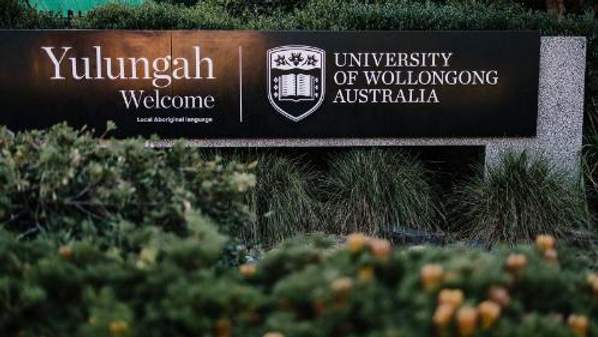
560	106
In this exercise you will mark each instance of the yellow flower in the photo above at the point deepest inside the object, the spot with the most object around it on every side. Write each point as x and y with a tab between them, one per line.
118	328
248	270
342	286
516	262
452	297
578	324
551	256
489	313
380	248
356	242
66	252
545	242
443	315
365	274
273	334
592	280
431	276
467	321
499	295
222	328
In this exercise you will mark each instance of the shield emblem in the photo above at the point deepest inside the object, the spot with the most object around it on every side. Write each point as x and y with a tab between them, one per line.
296	80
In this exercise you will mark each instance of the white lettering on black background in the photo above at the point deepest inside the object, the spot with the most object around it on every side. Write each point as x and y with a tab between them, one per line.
259	85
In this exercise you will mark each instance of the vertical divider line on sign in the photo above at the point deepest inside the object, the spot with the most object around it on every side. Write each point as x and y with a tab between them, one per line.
240	84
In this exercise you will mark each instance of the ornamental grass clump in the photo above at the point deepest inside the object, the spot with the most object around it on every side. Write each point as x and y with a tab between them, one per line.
377	190
285	198
516	200
590	159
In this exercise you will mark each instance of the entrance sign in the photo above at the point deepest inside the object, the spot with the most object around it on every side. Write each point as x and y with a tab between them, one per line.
270	85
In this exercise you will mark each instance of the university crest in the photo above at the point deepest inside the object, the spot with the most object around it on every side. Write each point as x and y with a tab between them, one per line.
296	80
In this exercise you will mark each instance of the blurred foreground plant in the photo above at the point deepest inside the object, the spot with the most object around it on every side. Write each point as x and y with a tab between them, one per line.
171	285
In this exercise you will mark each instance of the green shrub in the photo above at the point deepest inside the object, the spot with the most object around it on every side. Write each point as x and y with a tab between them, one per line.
167	285
517	200
79	289
16	14
150	15
261	7
570	6
285	202
376	190
65	182
328	14
590	159
425	15
180	2
12	10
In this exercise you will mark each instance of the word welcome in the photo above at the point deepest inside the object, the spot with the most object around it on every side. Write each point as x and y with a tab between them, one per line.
139	99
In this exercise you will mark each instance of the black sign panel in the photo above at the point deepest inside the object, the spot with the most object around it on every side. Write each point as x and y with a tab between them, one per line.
247	84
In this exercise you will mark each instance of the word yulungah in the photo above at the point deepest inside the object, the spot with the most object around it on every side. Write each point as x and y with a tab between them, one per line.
161	70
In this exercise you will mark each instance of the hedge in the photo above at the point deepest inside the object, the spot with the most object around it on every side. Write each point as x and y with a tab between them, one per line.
315	15
63	182
166	285
331	15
